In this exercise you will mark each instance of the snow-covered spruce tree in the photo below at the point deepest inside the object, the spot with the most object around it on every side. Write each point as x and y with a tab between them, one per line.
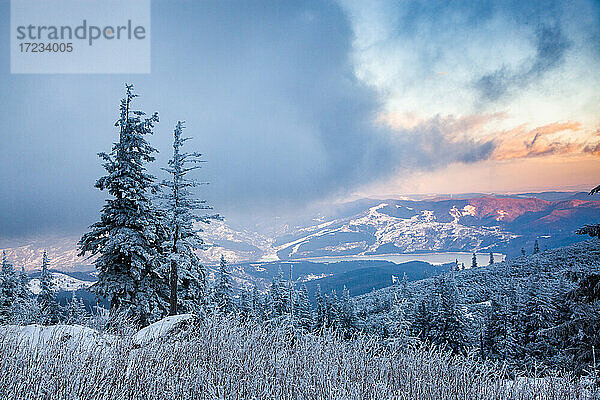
332	310
76	312
491	257
496	330
449	322
404	286
302	317
424	317
244	308
223	294
474	261
26	309
23	291
129	237
537	315
280	295
536	247
399	323
49	310
187	276
347	315
578	331
320	318
8	290
258	305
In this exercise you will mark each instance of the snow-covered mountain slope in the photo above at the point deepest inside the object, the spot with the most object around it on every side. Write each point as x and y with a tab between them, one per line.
61	282
378	231
480	224
62	252
367	227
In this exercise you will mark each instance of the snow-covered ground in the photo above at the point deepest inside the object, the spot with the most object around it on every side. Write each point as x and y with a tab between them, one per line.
39	336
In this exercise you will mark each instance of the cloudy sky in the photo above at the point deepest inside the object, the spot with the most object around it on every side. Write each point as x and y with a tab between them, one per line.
295	104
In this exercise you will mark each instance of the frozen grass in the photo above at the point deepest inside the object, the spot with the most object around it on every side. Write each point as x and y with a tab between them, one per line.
222	359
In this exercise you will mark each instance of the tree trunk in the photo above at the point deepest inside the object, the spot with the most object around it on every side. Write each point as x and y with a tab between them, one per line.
173	276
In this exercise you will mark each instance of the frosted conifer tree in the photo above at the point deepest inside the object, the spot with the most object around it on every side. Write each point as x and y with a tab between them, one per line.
8	289
404	286
537	315
400	325
223	292
245	304
302	309
23	291
536	247
187	275
332	310
280	295
129	237
320	318
423	322
26	309
76	311
449	322
346	314
258	307
48	306
497	330
491	258
474	261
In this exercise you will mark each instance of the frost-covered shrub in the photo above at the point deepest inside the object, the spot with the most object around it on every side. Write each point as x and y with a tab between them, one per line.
224	359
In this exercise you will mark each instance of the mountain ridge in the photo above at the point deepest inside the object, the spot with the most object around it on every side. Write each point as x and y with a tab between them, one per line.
373	227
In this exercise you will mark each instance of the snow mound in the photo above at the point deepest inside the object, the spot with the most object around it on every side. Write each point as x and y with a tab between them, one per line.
39	336
164	329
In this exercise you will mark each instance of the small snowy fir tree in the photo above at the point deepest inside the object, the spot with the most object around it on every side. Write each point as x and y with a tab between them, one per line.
8	290
536	247
49	309
223	291
449	322
76	311
302	317
491	258
186	274
423	321
244	308
320	318
347	315
258	306
474	261
280	295
130	235
23	291
399	323
404	286
332	310
26	309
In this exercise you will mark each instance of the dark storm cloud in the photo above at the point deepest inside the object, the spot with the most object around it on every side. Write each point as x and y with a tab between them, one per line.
551	46
269	95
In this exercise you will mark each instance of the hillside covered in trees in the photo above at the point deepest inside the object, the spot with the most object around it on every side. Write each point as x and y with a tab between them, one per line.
533	312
